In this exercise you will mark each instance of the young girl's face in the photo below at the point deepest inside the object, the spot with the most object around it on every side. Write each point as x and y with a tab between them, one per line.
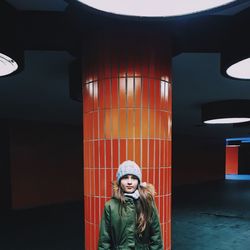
129	183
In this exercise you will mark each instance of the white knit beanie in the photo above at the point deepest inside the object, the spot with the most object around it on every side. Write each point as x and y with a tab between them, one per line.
128	167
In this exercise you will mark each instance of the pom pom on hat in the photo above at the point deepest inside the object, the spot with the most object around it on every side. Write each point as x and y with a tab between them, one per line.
128	167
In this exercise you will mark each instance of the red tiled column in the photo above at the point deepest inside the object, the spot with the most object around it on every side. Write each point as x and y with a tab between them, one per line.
127	115
232	159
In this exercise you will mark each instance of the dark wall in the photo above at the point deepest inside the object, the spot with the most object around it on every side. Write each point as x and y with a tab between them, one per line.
45	163
5	185
244	159
197	160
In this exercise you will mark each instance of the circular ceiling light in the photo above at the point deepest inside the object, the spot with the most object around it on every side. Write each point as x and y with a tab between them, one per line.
226	112
7	65
156	8
227	120
240	69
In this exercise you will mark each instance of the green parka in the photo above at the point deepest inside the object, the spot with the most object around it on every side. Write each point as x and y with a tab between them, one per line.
118	229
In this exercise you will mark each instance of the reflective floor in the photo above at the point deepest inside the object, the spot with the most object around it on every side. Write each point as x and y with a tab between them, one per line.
212	216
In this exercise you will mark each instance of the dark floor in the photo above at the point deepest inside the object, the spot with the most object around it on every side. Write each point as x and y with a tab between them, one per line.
214	216
57	227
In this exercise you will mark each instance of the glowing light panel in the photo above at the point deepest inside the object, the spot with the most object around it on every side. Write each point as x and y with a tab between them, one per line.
240	69
7	65
227	120
237	177
238	139
156	8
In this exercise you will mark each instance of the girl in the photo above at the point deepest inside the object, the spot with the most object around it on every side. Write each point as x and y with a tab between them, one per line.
130	219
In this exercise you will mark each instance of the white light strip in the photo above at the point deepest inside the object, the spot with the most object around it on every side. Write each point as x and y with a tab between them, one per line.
227	120
156	8
240	69
7	65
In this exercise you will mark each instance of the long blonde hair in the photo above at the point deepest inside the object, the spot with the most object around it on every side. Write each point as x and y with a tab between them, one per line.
144	205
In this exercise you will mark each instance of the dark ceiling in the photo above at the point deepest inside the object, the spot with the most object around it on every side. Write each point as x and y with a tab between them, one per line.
52	32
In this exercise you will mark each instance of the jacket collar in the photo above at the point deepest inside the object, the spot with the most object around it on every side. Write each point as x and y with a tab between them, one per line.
134	195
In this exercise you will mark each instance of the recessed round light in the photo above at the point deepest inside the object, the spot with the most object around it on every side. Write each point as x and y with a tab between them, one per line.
226	112
156	8
7	65
227	120
240	69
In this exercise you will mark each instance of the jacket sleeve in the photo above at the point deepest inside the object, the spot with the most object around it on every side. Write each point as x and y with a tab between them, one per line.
156	242
104	233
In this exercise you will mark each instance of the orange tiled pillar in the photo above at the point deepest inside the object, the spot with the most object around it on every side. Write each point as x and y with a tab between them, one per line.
127	115
232	159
